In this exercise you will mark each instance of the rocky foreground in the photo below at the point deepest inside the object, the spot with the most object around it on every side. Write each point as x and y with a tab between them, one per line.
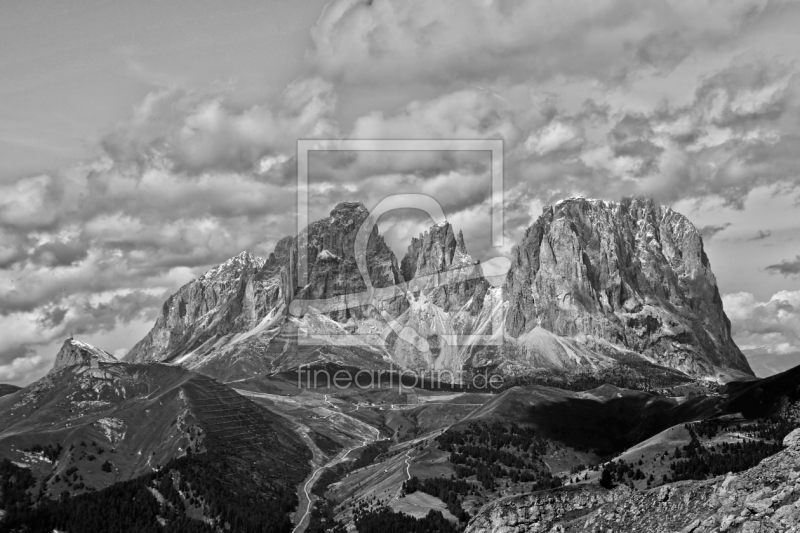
765	498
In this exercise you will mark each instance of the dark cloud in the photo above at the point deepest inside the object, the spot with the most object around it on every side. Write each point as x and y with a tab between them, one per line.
8	355
786	267
761	235
60	253
19	362
81	316
752	91
54	317
708	232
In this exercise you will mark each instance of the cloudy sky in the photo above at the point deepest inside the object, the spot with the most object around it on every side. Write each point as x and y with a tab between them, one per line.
141	143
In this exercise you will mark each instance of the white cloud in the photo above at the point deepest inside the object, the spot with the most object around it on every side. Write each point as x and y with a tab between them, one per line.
21	367
771	327
197	133
556	136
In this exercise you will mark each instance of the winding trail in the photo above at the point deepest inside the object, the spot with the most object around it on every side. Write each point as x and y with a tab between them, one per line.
306	500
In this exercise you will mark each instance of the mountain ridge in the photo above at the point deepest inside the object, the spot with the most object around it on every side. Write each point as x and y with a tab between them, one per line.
137	416
592	283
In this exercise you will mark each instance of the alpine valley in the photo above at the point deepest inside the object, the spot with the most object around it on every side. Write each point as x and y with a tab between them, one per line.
596	387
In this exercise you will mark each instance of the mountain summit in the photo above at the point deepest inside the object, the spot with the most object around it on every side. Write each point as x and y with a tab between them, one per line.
592	283
77	353
631	274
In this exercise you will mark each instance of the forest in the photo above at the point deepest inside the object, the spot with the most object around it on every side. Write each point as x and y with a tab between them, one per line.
746	444
697	461
641	376
492	451
209	483
447	490
384	520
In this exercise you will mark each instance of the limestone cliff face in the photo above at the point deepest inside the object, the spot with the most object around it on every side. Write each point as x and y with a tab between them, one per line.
232	321
591	282
229	298
763	499
449	302
629	273
440	250
77	353
332	267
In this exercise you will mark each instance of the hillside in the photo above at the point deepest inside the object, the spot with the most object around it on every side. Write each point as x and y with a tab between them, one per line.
606	420
8	389
92	424
763	498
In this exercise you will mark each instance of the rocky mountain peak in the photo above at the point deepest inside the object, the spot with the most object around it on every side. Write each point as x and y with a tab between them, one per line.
630	273
230	297
441	249
436	250
605	278
234	266
345	211
280	254
332	264
77	353
239	306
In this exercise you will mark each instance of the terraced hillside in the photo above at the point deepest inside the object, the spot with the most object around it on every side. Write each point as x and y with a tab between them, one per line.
83	428
234	423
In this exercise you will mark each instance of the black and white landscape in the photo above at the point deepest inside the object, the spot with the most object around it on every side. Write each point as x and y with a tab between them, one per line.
616	349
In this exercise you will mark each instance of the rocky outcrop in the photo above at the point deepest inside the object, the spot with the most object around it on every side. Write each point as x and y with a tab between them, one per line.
449	302
332	262
440	250
631	274
232	297
232	321
765	498
77	353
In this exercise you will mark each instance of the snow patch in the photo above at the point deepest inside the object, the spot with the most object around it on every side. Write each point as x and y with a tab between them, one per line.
325	255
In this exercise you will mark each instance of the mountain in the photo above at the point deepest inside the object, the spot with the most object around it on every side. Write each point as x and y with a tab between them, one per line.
607	419
441	250
533	458
77	353
762	498
232	297
233	322
450	304
7	389
630	274
92	409
593	285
